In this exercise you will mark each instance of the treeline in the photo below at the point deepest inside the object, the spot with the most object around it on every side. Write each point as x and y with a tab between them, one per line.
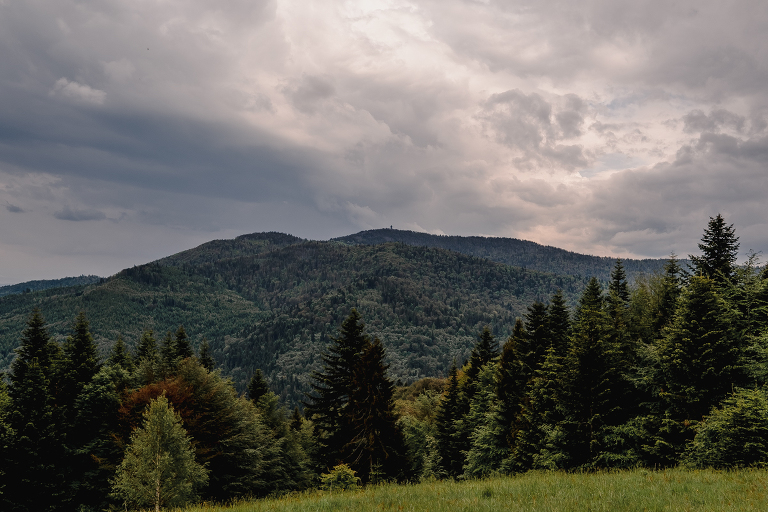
510	251
672	371
156	430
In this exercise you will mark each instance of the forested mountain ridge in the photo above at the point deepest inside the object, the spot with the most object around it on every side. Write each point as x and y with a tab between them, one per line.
270	301
45	284
512	251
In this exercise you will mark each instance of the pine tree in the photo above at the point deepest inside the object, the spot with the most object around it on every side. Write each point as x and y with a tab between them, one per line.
36	344
328	405
377	448
485	350
720	247
168	355
6	434
559	323
159	469
511	384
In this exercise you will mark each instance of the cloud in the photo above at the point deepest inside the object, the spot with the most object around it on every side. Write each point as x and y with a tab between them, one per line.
77	215
13	208
606	126
78	92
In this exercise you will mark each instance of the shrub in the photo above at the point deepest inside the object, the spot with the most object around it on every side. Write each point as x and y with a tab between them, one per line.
341	478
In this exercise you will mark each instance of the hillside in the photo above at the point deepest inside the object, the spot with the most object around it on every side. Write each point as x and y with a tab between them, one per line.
46	284
511	251
270	301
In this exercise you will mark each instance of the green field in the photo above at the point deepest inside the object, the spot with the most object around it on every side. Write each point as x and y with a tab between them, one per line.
672	490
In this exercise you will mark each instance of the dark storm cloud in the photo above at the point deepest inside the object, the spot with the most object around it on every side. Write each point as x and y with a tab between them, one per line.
13	208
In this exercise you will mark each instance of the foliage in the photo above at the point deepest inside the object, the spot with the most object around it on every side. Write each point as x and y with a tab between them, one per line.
159	469
340	478
734	435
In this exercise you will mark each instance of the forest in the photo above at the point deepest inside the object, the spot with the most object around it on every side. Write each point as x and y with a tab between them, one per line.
668	370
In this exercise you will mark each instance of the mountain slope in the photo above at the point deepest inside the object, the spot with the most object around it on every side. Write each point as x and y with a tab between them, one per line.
510	251
34	286
270	301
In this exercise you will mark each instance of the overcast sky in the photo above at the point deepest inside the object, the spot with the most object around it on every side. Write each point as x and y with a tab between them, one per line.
133	129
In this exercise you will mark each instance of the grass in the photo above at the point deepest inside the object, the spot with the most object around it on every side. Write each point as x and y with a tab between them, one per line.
638	490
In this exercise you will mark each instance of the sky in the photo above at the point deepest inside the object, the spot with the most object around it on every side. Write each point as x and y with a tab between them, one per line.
134	129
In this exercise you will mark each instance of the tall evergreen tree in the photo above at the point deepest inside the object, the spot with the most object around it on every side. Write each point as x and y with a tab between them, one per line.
183	347
148	357
78	366
700	360
328	405
121	356
667	294
205	356
377	448
720	247
36	453
559	323
258	386
448	415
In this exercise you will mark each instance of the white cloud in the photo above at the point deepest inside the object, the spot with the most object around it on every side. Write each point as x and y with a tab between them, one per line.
78	92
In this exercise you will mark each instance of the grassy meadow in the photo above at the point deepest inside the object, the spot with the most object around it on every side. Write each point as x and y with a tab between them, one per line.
672	490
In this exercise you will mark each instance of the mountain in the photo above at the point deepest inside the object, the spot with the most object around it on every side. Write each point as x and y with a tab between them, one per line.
33	286
271	301
511	251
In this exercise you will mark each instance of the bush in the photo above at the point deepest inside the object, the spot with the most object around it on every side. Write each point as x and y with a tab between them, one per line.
734	435
341	478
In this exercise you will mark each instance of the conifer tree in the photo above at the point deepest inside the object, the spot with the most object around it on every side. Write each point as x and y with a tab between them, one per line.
148	358
720	247
328	405
258	386
377	448
488	443
538	337
168	355
700	360
205	357
446	425
121	357
511	386
6	434
559	323
667	295
589	396
183	348
486	349
159	469
36	453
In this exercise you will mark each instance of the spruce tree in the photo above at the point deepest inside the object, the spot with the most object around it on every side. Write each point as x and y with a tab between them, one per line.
720	247
169	359
183	347
328	405
377	448
121	357
148	358
700	359
446	425
205	357
36	452
488	443
257	387
559	323
666	296
159	469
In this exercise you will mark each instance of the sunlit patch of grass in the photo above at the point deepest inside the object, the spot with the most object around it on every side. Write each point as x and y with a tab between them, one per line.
638	490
